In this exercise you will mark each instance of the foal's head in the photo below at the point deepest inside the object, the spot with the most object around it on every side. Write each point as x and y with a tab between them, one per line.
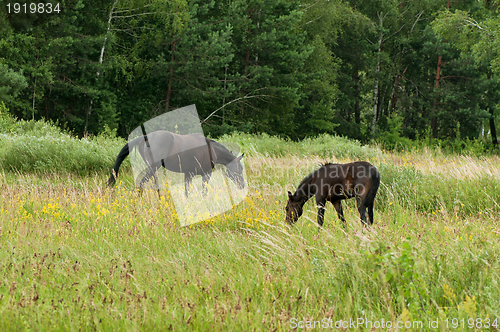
293	208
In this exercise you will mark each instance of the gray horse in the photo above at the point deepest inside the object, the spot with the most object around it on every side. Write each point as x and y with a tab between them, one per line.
192	154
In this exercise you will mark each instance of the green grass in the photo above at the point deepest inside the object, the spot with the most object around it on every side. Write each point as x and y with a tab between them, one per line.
75	256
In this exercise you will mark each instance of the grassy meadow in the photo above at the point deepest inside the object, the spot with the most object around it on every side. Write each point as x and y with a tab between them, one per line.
77	256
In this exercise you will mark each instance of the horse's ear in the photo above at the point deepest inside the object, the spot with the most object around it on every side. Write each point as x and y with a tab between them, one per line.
239	158
290	194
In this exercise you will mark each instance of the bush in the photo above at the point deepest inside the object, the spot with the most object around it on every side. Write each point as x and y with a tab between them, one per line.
56	154
392	139
42	147
7	121
326	146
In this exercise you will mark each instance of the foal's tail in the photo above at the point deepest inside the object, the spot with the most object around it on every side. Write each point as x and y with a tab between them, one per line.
375	177
121	157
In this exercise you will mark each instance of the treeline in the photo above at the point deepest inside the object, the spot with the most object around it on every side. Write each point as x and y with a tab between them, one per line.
385	69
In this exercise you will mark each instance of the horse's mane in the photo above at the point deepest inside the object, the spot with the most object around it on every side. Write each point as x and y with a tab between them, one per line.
225	153
219	145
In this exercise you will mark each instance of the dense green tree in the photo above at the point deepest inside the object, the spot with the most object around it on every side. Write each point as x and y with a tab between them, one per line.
11	83
476	34
294	68
323	23
138	37
267	66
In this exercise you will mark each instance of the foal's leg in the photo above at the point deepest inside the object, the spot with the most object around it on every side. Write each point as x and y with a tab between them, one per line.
361	209
340	212
370	213
320	203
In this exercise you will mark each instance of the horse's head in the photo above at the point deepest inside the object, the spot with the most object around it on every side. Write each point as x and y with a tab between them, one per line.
234	171
293	209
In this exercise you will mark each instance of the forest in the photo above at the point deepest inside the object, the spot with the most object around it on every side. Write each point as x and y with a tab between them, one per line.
363	69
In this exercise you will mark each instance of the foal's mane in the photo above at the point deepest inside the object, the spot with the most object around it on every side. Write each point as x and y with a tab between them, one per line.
311	176
306	180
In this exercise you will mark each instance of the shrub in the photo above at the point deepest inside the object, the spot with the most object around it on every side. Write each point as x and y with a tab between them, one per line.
42	147
56	154
326	146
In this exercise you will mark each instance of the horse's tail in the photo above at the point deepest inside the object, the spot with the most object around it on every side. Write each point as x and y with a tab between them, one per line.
375	177
121	157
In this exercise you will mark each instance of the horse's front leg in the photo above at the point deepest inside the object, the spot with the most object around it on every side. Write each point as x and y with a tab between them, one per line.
150	173
187	182
206	179
320	203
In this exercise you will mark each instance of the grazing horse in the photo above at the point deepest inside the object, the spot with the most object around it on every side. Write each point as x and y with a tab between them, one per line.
192	154
335	182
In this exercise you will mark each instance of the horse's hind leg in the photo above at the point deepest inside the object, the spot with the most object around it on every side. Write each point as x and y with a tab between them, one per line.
205	179
156	184
340	212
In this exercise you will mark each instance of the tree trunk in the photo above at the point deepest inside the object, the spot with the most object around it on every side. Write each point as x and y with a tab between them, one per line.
376	87
169	88
110	17
224	96
436	86
434	106
89	112
101	58
394	99
34	93
381	110
247	64
247	57
493	130
375	107
357	111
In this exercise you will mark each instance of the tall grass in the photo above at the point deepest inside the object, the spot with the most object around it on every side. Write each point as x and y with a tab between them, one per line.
434	193
77	256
